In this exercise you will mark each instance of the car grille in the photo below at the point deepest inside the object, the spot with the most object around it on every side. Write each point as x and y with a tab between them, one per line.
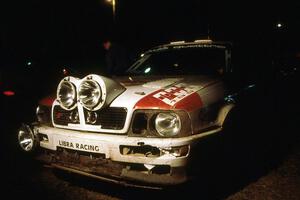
108	118
64	117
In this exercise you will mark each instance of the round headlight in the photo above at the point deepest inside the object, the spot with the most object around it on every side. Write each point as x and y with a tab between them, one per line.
89	94
167	124
26	138
66	94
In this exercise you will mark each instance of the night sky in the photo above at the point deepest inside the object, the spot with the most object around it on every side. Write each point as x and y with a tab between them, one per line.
74	30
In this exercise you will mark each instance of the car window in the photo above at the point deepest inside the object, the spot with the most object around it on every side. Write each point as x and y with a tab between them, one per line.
189	61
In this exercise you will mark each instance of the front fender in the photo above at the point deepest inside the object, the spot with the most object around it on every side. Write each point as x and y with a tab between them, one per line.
223	113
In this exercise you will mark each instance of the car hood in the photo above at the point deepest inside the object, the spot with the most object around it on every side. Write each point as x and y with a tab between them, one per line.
185	92
159	92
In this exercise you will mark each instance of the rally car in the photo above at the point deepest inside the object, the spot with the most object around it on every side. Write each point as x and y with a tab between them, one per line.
141	129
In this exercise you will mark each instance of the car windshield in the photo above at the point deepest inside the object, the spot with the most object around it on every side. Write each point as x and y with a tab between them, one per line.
181	61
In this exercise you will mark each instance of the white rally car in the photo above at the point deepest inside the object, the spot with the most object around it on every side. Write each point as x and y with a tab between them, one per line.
141	129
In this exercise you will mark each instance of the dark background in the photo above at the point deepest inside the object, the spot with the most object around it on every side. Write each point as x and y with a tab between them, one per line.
38	39
65	31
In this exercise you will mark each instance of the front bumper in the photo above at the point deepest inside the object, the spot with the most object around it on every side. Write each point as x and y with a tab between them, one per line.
118	158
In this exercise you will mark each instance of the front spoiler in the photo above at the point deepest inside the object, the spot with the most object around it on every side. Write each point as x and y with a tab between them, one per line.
104	179
121	175
114	167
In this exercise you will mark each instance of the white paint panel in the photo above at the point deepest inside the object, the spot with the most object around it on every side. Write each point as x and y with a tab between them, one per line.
159	84
131	96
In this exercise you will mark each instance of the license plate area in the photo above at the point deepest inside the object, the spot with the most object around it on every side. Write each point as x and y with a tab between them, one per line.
87	162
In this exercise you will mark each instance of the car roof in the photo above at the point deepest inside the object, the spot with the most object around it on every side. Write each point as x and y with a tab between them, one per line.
189	44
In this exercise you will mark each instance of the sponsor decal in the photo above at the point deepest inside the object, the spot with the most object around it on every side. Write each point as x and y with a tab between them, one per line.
174	94
78	146
180	96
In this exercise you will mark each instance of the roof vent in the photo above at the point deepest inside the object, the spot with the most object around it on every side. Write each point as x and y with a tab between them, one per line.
204	41
178	42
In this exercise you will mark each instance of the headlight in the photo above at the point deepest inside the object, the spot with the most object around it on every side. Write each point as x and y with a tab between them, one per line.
167	124
66	94
26	138
89	94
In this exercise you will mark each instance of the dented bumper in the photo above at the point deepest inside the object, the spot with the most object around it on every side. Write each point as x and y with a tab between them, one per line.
118	158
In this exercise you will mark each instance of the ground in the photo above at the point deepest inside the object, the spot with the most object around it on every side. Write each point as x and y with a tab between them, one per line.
280	183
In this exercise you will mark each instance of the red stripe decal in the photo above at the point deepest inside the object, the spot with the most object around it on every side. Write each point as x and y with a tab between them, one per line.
150	102
47	101
190	103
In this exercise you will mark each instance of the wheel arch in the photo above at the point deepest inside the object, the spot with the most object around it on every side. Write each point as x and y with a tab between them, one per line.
223	114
